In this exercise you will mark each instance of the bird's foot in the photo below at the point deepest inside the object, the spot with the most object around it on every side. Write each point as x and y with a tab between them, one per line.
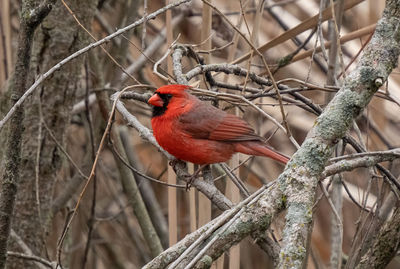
173	162
189	180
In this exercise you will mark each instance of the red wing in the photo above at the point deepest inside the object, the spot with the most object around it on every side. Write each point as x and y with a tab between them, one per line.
207	122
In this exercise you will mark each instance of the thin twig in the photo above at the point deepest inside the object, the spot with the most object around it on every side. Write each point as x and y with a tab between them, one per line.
239	97
144	25
92	149
393	152
301	27
134	170
37	172
339	220
63	150
254	48
23	246
34	258
245	192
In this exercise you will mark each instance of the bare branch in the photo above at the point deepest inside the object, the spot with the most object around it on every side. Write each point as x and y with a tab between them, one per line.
365	159
34	258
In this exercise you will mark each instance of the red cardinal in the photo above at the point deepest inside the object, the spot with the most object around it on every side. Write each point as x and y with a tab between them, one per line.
197	132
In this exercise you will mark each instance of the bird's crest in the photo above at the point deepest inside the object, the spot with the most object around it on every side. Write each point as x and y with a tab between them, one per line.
172	89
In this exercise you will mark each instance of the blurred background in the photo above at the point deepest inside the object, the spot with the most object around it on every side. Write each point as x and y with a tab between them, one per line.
66	117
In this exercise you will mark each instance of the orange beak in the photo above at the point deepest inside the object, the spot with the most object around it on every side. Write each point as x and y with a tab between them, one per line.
156	100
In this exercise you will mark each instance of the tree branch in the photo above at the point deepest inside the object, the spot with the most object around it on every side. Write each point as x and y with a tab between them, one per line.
299	180
365	159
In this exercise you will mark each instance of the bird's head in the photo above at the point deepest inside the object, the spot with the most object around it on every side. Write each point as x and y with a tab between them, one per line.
165	95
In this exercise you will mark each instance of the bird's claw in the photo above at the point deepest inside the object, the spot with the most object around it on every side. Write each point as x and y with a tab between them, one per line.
189	181
188	178
173	162
191	178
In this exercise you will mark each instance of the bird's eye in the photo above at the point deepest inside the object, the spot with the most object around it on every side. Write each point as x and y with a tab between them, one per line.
169	96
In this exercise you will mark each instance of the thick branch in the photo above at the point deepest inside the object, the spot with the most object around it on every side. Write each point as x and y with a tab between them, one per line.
254	217
299	180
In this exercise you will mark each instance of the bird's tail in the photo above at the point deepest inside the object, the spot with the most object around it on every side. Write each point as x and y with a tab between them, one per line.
260	149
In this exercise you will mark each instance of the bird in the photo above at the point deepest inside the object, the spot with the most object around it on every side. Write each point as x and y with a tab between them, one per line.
195	131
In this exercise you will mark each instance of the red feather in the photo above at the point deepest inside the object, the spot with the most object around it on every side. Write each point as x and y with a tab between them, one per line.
195	131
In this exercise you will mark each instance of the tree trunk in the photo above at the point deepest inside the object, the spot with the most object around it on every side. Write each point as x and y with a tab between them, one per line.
57	37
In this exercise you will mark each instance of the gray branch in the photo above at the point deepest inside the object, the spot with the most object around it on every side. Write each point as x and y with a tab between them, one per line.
42	263
366	159
255	217
299	180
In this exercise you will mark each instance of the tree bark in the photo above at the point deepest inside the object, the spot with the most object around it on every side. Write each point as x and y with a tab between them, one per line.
56	39
385	246
31	16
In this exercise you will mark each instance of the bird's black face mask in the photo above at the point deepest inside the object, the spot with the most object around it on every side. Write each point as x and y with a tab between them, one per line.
160	110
